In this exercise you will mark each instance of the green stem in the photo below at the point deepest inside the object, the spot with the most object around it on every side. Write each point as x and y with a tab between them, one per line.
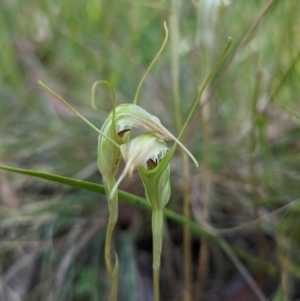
109	233
113	286
196	103
112	268
76	112
156	271
157	236
152	64
169	155
113	216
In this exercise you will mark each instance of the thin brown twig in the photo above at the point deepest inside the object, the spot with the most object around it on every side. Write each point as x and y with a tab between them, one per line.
234	230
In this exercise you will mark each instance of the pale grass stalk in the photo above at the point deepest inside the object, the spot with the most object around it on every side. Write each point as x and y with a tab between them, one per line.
206	200
282	259
209	13
174	26
220	76
254	182
240	45
186	230
243	271
203	253
263	219
202	269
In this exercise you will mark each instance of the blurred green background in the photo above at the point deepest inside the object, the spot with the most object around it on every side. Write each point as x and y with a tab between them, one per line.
245	137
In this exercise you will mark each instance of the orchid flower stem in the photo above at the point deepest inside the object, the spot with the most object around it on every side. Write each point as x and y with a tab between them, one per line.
109	233
113	285
113	216
157	236
156	272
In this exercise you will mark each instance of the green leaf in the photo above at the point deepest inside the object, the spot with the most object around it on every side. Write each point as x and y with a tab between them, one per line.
125	196
141	203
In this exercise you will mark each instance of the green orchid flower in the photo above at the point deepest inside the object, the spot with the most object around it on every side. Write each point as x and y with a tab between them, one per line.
114	142
147	153
117	127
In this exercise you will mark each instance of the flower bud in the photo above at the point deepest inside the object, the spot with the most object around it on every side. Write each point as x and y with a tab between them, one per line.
109	154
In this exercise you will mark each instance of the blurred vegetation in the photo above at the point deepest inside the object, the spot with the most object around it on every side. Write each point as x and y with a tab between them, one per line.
52	236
